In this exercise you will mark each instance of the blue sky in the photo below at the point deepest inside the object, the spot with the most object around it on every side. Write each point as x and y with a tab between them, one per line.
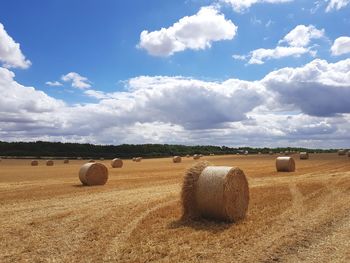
233	72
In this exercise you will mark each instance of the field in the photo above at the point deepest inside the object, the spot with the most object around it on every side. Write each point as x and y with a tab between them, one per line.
47	216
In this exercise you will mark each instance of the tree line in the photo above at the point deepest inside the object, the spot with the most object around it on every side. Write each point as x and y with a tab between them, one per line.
73	150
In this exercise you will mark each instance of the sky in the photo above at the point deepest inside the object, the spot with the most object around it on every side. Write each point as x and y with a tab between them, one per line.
260	73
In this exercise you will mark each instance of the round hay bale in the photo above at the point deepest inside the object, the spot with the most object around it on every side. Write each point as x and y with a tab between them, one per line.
34	163
285	164
91	161
138	159
49	163
66	161
188	156
93	174
217	192
271	152
117	163
196	156
79	158
304	155
177	159
212	154
134	159
342	152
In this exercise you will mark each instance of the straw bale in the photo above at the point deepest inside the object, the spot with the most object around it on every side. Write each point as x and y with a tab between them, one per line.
117	163
93	174
285	164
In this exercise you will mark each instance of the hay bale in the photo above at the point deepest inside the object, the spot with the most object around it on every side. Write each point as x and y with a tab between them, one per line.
342	152
93	174
212	154
34	163
138	159
117	163
66	161
102	159
188	156
196	157
79	158
304	155
285	164
201	155
177	159
217	192
271	152
49	163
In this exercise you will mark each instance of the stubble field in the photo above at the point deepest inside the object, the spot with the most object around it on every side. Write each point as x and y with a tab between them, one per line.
47	216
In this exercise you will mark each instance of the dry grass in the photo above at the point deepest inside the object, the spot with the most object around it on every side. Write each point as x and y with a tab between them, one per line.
47	216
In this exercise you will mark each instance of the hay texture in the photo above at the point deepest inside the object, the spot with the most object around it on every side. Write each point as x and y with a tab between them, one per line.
285	164
196	156
341	152
66	161
117	163
49	163
304	155
93	174
177	159
217	192
34	163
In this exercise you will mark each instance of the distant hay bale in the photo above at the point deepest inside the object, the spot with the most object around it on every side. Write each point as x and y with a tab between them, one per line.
49	163
91	161
304	155
138	159
217	192
342	152
34	163
212	154
66	161
259	153
271	152
117	163
177	159
201	155
79	158
188	156
196	156
102	158
93	174
285	164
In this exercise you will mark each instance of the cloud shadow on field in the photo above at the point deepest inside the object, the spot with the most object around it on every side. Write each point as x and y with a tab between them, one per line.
211	226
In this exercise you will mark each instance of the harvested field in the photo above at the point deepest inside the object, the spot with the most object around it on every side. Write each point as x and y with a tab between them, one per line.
47	216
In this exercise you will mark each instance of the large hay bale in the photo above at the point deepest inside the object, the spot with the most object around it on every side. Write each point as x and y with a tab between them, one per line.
117	163
49	163
304	155
285	164
93	174
177	159
196	156
66	161
34	163
342	152
217	192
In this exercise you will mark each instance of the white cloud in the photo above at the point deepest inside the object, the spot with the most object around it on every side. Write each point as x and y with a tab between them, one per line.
10	53
242	5
306	106
191	32
301	36
78	81
341	46
297	41
258	56
53	83
336	4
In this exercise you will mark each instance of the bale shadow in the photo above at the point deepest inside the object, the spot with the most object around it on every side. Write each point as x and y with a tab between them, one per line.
211	226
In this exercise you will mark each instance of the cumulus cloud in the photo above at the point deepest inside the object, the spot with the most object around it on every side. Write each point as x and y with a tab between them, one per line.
301	36
242	5
53	83
10	53
317	89
297	43
291	106
336	4
191	32
258	56
77	81
341	46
